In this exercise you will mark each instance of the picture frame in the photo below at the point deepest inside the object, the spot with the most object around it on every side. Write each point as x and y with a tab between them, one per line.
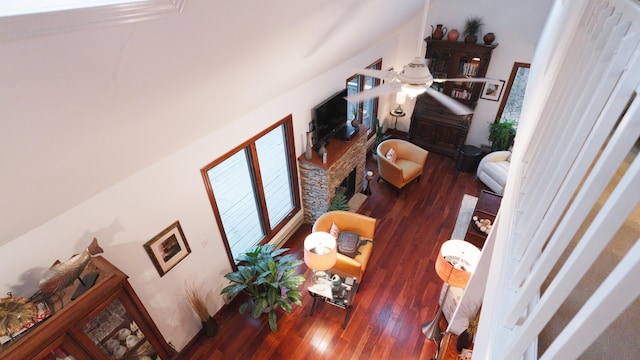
492	90
168	248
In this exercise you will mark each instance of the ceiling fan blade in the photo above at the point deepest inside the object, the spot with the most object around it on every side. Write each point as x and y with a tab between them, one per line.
386	75
383	89
464	80
453	105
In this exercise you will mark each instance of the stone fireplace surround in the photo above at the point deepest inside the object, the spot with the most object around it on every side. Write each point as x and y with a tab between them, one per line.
319	181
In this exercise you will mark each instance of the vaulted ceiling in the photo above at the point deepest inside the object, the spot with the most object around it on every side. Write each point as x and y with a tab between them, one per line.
81	110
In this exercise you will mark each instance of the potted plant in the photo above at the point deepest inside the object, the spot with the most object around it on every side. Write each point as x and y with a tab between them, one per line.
501	135
379	129
467	336
472	27
268	276
339	202
199	306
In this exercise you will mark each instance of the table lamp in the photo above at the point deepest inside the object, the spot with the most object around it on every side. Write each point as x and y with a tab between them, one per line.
456	262
320	253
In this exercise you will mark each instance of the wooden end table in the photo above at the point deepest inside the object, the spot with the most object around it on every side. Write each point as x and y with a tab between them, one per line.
341	297
486	208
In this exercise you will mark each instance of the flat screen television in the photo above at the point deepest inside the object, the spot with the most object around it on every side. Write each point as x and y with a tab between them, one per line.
330	120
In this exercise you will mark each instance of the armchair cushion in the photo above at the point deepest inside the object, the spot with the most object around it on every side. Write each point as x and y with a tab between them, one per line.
493	170
357	223
410	160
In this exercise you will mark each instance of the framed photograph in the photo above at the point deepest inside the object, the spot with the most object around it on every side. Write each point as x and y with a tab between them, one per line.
168	248
492	90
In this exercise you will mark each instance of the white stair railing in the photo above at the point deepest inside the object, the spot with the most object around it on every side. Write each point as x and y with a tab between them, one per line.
580	123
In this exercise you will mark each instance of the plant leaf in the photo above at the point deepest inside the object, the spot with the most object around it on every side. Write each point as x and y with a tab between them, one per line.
273	320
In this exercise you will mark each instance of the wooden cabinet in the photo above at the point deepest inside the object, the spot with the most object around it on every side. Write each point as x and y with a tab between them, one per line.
433	126
106	322
435	129
449	59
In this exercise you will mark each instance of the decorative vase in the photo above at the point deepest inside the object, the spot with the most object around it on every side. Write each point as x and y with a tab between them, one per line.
210	327
453	35
489	38
439	32
308	149
471	39
464	341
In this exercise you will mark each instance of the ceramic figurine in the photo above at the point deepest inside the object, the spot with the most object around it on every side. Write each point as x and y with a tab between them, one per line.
61	275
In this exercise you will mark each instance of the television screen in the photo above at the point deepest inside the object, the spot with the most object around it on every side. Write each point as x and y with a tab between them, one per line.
329	117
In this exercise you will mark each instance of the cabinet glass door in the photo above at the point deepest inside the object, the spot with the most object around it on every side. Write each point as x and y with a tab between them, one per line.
117	335
62	349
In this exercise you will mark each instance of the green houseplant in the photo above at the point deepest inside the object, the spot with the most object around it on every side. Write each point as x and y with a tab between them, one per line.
501	135
379	129
472	27
268	276
339	202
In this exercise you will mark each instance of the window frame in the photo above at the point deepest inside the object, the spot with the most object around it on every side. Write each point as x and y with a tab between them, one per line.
361	81
255	173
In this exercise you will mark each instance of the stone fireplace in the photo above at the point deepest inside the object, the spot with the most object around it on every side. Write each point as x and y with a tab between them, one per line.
345	160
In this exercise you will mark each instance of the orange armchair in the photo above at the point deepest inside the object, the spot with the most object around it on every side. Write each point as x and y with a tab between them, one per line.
348	221
408	166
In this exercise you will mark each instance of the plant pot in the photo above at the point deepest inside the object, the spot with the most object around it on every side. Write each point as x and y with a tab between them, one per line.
464	341
489	38
471	39
210	327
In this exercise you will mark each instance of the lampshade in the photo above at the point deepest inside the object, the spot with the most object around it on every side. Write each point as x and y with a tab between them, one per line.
456	261
401	98
320	251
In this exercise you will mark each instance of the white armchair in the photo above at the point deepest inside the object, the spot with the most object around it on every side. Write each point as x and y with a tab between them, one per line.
493	170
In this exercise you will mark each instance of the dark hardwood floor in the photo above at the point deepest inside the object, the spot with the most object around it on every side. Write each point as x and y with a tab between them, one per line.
398	293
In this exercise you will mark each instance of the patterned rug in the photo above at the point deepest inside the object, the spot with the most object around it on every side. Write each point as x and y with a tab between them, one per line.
464	216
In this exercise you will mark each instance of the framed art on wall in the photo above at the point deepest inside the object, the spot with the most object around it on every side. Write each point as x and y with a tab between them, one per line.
167	248
492	90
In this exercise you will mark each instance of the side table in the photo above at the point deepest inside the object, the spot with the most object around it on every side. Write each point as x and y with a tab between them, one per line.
341	296
486	208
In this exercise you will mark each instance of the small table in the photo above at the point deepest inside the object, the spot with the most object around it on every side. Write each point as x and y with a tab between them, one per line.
486	208
341	297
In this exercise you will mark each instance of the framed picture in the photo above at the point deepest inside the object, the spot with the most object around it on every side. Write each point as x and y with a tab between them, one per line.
492	90
168	248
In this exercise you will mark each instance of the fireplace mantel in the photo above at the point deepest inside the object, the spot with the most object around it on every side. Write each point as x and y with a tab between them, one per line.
319	181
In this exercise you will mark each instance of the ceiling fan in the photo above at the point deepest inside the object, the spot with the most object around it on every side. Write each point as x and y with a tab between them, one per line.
414	79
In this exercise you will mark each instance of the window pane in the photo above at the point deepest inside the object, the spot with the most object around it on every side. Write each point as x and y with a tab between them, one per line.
236	199
274	168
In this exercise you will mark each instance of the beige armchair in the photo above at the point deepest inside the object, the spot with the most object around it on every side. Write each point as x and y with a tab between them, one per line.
348	221
408	166
493	170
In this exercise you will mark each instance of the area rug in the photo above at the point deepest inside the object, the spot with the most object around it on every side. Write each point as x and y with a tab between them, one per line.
356	201
464	216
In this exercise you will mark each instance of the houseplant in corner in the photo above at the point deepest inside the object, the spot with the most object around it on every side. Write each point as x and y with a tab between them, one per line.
501	135
209	324
268	276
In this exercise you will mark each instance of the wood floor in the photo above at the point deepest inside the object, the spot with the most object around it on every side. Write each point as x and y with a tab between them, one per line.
398	293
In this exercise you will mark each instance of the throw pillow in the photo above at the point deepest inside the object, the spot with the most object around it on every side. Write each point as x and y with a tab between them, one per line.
335	231
391	155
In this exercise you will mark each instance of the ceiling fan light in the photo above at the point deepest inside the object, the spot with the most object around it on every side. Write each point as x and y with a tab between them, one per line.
413	90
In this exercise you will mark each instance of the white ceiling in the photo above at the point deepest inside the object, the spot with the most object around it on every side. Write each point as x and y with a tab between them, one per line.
82	110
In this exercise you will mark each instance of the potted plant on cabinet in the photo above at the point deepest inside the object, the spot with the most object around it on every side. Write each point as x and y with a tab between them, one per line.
501	135
472	28
268	276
